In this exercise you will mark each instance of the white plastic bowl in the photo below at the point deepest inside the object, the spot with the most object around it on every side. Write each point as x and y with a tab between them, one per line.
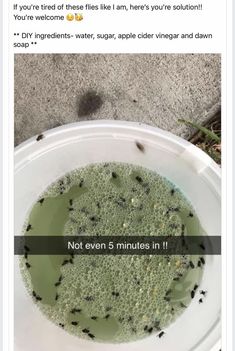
39	163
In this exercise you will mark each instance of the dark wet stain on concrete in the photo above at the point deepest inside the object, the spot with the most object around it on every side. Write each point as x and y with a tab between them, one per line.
88	103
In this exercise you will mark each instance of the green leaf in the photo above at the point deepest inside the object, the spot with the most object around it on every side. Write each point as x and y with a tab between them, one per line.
204	130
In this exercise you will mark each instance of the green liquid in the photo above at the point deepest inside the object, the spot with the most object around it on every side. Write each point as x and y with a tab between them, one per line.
112	298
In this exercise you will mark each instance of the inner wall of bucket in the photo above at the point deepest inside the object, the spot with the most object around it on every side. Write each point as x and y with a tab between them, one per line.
45	168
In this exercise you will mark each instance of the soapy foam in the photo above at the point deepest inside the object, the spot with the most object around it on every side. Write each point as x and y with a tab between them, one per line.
115	298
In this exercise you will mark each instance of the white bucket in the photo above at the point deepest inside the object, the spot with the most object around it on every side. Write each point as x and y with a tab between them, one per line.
39	163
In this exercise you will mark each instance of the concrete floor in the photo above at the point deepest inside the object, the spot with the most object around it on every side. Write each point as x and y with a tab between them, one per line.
157	89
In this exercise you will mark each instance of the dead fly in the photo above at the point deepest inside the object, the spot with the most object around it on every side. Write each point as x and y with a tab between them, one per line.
62	187
89	298
191	264
172	209
140	146
122	199
26	248
71	202
91	335
195	287
74	310
94	219
27	265
130	318
167	298
183	242
41	201
39	137
202	260
61	325
176	279
57	283
56	297
65	262
203	292
150	330
94	318
202	246
146	328
85	330
190	214
139	179
175	209
71	261
74	323
168	292
199	264
81	183
115	293
192	294
60	278
70	209
37	297
26	255
161	334
29	227
182	229
107	316
114	175
182	305
200	301
172	192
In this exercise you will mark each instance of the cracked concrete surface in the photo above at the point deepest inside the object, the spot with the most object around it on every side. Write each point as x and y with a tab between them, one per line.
156	89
